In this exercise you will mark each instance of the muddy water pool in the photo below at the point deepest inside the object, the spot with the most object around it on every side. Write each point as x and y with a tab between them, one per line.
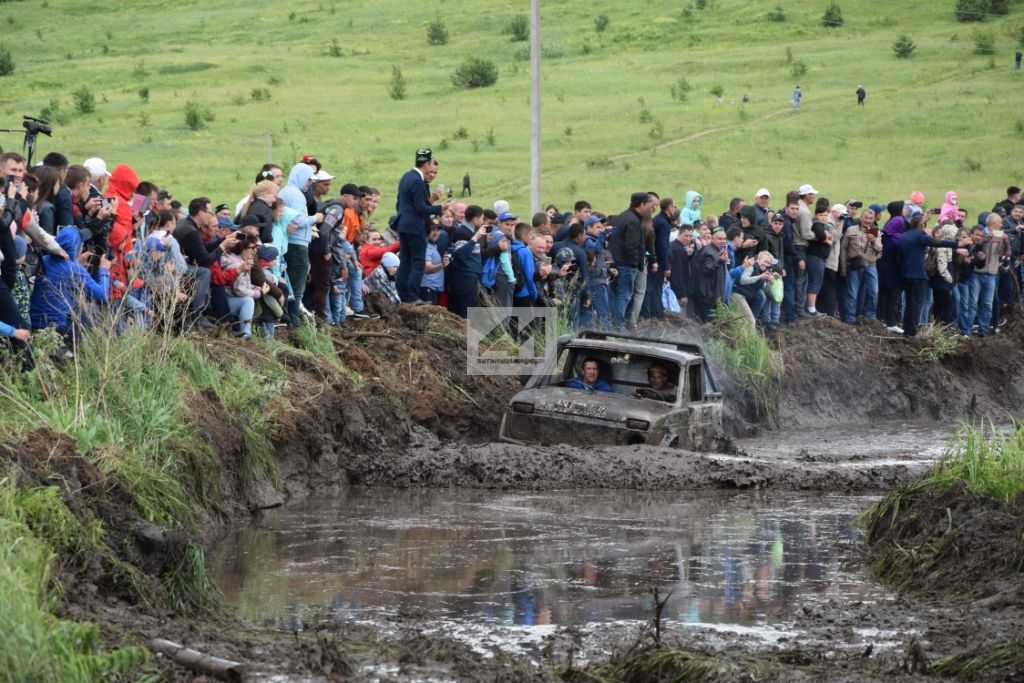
558	558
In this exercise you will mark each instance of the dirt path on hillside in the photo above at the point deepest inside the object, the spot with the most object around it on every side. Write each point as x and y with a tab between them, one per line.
699	135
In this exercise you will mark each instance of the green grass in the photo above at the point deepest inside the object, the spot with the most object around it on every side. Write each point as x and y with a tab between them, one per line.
989	461
937	121
35	645
750	361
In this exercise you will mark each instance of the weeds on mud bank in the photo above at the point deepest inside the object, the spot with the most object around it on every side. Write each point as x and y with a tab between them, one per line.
132	404
751	361
34	644
956	531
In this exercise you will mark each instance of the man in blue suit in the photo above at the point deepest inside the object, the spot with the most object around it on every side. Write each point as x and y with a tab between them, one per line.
414	210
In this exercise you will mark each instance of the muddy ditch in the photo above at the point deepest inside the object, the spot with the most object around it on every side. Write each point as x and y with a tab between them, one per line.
403	413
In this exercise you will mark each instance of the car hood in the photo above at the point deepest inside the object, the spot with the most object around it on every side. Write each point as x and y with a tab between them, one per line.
600	405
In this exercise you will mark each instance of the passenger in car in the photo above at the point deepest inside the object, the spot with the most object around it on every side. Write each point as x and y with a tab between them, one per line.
589	379
657	384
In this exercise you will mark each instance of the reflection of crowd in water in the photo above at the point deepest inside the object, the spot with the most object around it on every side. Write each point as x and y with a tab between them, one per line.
591	565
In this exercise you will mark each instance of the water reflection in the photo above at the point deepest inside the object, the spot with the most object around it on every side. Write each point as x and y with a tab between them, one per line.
545	558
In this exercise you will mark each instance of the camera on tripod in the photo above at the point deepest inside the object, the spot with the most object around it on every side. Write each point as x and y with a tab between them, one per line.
34	126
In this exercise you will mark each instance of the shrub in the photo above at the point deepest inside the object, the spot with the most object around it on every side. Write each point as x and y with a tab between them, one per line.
984	42
971	10
798	69
475	72
903	46
1020	35
335	48
518	27
85	101
396	90
717	90
437	32
833	16
197	117
144	94
999	7
600	23
260	94
777	15
461	133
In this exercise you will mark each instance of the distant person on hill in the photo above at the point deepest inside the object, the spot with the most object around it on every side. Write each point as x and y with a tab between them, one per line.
798	95
466	187
1016	60
861	94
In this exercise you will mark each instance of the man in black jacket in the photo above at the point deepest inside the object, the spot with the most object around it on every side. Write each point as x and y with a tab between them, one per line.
626	244
707	273
198	255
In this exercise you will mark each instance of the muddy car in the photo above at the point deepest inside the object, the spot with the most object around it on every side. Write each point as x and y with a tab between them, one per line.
686	412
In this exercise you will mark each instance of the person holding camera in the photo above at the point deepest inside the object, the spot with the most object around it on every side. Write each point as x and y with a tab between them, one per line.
57	299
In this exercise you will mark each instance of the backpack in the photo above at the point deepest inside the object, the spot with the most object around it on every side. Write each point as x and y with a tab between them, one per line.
931	263
517	265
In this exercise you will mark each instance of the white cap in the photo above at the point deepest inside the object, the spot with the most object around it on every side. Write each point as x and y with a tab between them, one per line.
501	206
763	193
390	260
320	176
839	208
96	166
806	189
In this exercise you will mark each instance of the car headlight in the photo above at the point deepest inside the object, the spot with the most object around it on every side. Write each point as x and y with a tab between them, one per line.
633	423
522	407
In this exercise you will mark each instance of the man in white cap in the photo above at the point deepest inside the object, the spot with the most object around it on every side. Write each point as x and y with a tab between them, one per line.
321	185
802	234
762	211
98	174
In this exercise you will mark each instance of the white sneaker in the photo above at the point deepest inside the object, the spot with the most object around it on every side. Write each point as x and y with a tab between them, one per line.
349	311
895	329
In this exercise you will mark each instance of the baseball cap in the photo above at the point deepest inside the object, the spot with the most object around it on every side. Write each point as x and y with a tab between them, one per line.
507	216
311	160
877	208
855	203
155	244
266	253
222	207
806	189
778	217
390	260
763	193
841	209
591	220
320	176
225	223
501	206
96	166
352	189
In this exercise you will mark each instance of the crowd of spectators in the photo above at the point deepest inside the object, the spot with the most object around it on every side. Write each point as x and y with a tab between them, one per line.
83	239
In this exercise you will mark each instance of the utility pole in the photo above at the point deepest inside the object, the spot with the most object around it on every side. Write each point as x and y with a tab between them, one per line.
535	145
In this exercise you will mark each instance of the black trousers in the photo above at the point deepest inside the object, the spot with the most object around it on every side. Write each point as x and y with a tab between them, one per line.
889	305
915	291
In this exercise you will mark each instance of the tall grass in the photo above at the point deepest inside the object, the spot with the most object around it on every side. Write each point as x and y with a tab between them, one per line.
750	360
34	644
989	461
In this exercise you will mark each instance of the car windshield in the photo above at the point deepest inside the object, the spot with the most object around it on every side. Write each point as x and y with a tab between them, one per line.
633	374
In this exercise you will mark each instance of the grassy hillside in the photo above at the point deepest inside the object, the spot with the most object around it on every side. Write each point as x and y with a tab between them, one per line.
947	118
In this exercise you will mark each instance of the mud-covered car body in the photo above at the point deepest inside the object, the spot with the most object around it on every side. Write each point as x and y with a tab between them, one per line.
546	411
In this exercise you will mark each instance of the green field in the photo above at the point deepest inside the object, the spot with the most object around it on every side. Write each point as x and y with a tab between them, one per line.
947	118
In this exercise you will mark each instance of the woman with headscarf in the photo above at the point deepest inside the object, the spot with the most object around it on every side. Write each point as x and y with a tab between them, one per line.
889	286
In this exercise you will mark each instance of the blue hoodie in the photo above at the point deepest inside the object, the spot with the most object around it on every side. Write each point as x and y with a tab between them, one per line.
689	215
54	296
294	198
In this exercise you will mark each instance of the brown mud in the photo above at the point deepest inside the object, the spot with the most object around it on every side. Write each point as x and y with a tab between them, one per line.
406	414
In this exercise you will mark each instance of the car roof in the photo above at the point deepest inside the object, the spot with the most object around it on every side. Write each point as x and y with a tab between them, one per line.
649	348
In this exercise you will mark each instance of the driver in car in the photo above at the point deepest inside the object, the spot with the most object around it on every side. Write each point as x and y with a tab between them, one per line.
657	384
588	379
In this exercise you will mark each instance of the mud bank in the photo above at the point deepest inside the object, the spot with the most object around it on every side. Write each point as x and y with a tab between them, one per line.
755	464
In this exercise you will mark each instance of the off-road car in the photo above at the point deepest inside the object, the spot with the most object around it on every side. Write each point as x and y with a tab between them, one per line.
548	411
